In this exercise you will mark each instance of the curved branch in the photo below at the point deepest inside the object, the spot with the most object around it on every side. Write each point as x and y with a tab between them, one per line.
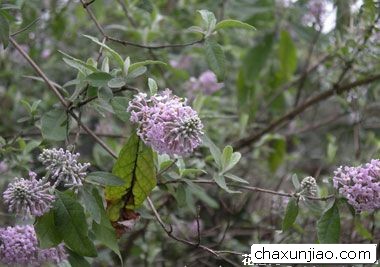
254	137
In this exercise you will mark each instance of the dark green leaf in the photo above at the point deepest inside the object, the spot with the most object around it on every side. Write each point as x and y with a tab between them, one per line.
215	57
70	222
291	214
53	125
103	230
105	178
4	30
76	260
328	226
256	59
47	234
91	205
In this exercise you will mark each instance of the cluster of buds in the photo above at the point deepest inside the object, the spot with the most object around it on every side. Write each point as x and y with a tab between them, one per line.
28	197
309	186
63	167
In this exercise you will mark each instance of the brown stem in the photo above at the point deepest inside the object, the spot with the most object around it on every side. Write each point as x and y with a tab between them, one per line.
246	141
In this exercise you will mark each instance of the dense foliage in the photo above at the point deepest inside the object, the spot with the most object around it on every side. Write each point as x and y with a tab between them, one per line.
180	132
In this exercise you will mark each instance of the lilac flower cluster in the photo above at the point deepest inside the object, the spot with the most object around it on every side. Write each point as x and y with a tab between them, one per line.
360	185
28	197
19	246
63	167
206	83
166	123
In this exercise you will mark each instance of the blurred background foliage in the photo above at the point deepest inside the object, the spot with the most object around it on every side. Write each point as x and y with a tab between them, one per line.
297	52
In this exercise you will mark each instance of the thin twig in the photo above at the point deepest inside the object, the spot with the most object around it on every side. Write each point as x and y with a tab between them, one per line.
60	97
128	43
25	28
246	141
251	188
129	17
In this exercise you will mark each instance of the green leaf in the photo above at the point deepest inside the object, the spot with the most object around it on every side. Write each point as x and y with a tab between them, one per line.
4	30
214	150
103	230
136	73
105	65
105	178
235	178
291	214
70	222
256	59
46	231
117	82
231	23
328	226
152	86
229	158
359	227
209	20
126	65
135	165
91	206
277	153
287	55
296	182
99	79
219	180
200	193
77	63
119	104
76	260
215	57
112	52
53	125
137	65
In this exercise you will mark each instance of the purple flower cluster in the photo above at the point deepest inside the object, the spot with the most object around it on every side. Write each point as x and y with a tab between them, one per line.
206	83
28	197
19	246
360	185
166	123
63	167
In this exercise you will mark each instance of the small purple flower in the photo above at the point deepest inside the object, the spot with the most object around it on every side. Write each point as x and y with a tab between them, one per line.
28	197
63	167
360	185
206	83
19	246
166	123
